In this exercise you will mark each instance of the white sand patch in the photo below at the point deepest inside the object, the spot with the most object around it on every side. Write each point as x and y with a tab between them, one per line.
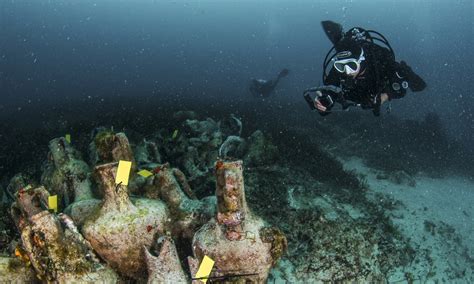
430	212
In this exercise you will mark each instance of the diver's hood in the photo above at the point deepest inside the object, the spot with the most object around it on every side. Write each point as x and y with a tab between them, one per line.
348	46
342	42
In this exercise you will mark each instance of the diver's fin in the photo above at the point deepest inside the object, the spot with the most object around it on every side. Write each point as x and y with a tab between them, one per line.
333	31
415	82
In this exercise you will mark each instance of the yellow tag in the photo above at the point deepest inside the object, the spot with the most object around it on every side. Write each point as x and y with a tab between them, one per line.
68	138
53	203
175	133
17	252
145	173
204	269
123	172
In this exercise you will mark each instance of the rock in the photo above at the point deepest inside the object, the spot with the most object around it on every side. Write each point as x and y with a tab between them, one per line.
14	270
203	127
183	115
401	177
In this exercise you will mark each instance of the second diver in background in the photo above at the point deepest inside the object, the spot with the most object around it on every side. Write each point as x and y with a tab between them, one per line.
363	73
263	88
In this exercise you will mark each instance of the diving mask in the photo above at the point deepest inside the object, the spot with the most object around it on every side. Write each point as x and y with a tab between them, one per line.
350	66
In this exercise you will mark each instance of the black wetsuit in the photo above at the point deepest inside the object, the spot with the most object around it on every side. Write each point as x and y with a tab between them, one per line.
380	73
263	88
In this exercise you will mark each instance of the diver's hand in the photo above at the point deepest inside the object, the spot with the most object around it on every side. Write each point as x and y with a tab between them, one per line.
317	103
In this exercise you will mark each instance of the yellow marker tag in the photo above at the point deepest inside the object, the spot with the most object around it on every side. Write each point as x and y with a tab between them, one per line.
175	133
68	138
17	252
145	173
205	269
123	172
53	203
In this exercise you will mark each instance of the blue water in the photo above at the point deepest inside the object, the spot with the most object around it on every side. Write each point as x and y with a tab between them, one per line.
54	50
69	66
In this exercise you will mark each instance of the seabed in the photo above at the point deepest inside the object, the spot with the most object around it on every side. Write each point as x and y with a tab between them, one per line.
351	208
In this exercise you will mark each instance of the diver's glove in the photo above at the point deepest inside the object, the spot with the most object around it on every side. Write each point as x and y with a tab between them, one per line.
323	103
415	82
320	99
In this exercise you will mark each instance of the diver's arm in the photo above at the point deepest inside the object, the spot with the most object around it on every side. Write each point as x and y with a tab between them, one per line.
388	73
400	78
402	71
331	88
326	97
322	110
395	95
333	78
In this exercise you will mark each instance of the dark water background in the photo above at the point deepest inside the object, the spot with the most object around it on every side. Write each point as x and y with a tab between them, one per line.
81	60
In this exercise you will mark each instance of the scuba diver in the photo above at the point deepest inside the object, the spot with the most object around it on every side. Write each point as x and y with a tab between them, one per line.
363	73
263	88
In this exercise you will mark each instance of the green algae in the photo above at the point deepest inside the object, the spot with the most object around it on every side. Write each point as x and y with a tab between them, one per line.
104	142
15	264
278	241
